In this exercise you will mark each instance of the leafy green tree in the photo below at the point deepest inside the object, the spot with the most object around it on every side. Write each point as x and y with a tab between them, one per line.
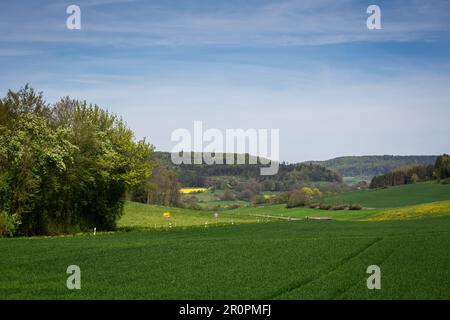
65	167
162	188
442	167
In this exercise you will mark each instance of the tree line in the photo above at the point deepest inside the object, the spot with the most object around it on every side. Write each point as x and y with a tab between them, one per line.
370	166
64	167
415	173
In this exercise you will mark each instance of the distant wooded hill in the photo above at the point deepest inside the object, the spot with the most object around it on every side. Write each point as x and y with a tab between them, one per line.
290	176
369	166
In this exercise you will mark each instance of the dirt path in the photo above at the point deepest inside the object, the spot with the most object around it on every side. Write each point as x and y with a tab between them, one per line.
291	218
278	217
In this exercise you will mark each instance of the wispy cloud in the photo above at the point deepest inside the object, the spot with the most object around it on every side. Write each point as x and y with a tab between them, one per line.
16	52
310	68
235	23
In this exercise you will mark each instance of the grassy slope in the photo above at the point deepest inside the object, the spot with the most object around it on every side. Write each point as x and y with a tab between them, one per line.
404	198
280	210
294	260
398	196
427	210
139	216
210	199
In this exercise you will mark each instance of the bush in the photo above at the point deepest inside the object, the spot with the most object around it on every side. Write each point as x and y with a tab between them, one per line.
297	199
8	224
340	207
355	206
246	195
279	199
260	199
228	195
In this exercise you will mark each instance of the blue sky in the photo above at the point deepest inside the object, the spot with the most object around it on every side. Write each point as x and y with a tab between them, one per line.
310	68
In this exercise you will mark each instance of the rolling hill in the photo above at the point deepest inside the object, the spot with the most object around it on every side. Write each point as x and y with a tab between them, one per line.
369	166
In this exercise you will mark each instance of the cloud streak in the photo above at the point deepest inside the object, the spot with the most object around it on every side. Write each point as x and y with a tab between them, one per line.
310	68
230	23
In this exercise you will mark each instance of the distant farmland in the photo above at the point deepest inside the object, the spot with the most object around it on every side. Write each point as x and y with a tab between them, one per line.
396	196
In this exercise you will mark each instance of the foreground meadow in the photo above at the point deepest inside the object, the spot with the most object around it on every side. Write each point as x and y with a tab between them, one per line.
248	253
281	260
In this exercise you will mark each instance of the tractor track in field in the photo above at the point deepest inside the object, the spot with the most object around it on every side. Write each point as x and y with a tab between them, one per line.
299	284
340	294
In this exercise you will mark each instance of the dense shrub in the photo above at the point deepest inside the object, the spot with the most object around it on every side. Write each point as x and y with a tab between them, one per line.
355	206
279	199
296	199
302	197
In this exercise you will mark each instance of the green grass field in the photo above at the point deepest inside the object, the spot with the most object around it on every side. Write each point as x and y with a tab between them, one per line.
239	257
142	216
398	196
284	260
420	200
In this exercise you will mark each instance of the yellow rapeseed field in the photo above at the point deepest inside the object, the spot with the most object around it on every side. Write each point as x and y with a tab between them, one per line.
432	209
192	190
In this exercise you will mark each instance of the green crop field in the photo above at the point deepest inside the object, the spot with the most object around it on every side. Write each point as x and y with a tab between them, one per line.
398	196
284	260
248	253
